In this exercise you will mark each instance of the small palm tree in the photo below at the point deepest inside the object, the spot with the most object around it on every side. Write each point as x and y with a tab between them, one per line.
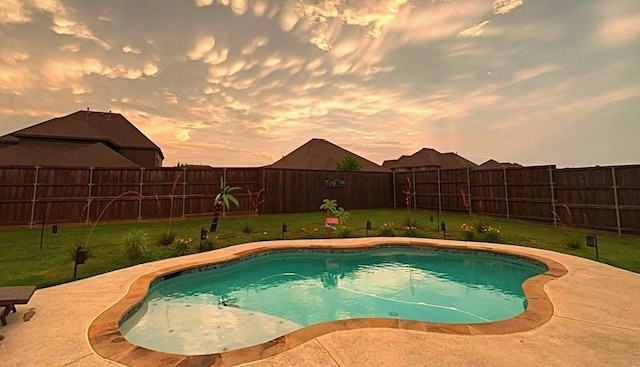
341	214
222	200
329	205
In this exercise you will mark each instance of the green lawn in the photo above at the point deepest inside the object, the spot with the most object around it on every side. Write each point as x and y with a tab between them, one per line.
22	262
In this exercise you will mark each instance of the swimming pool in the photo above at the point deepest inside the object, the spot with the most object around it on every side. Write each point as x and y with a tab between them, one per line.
260	297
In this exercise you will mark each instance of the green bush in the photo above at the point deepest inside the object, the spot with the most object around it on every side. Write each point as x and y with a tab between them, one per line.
386	230
492	236
167	237
410	232
248	228
573	240
409	223
468	235
208	245
182	246
344	232
136	244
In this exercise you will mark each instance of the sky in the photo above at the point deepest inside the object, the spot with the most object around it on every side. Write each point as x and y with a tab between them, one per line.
245	82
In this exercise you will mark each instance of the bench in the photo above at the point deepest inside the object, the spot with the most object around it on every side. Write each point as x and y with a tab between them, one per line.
12	296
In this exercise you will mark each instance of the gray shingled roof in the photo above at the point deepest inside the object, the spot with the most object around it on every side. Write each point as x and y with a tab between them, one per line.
62	154
320	154
430	158
107	127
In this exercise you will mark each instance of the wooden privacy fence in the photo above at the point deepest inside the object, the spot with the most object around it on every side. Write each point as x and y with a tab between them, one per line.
30	195
606	198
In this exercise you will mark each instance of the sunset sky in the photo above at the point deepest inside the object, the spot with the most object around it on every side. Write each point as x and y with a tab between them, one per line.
244	82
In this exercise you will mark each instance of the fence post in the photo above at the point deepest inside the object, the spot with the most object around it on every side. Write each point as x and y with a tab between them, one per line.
506	190
439	198
184	191
140	192
394	190
469	190
89	197
414	190
615	199
553	197
224	181
33	201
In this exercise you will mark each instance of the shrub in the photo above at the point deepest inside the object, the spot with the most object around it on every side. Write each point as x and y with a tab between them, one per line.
482	225
136	244
182	246
410	232
468	232
573	240
167	237
386	230
409	223
344	232
248	228
208	245
492	235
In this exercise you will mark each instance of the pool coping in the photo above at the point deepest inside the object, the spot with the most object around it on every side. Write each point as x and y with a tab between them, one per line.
106	340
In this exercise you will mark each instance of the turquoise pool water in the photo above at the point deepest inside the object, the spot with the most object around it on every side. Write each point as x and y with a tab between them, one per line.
266	296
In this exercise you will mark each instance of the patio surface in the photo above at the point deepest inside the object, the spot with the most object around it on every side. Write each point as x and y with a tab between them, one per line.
596	322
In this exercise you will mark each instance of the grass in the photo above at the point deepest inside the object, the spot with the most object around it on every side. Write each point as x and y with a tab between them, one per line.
22	262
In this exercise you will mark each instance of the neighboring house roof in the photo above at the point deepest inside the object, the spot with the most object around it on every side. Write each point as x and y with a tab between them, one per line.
430	158
321	154
106	127
66	154
492	164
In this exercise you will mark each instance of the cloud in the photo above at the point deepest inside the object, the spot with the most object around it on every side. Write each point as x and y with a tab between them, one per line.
14	12
128	49
254	45
201	3
505	6
474	31
202	47
239	6
69	47
620	24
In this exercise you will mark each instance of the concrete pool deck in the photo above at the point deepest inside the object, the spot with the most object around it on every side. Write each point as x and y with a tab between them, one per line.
595	322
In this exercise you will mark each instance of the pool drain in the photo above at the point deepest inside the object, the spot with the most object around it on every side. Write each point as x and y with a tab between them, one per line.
393	313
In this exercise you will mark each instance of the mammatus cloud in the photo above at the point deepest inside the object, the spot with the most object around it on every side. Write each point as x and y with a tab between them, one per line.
382	77
505	6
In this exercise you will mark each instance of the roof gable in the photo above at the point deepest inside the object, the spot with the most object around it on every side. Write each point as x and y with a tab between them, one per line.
321	154
107	127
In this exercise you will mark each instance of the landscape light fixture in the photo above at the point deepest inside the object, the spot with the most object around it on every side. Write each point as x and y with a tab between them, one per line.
81	256
592	241
367	228
443	228
284	228
203	237
54	229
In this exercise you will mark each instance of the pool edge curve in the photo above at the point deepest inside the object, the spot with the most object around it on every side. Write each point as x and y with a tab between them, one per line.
106	340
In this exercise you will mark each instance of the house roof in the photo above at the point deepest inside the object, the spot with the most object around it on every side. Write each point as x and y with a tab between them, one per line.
430	158
321	154
106	127
493	164
62	154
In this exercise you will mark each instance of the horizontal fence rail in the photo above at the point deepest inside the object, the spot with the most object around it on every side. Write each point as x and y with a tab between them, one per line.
31	195
605	198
